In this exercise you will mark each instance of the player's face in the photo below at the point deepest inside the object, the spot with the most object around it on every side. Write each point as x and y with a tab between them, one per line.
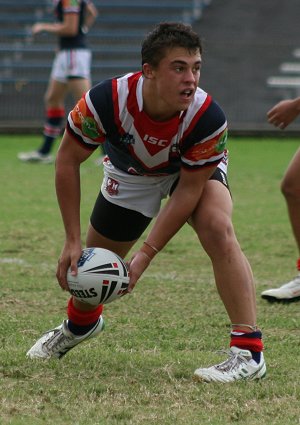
176	79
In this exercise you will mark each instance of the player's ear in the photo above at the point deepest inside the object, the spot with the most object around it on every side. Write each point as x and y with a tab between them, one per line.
148	71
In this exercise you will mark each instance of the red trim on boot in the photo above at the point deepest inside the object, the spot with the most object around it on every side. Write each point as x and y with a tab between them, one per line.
298	264
83	318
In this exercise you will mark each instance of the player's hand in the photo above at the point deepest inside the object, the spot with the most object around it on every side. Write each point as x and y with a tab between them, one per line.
283	113
37	28
69	258
137	265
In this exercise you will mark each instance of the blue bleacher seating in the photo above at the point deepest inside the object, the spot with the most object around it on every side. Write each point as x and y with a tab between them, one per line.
25	61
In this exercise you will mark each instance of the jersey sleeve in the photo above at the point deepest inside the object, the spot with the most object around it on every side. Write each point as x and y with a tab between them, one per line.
206	144
84	124
71	6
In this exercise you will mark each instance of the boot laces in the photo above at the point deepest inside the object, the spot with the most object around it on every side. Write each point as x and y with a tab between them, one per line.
232	363
58	340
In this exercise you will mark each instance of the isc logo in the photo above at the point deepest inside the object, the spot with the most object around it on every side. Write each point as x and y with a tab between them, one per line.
155	141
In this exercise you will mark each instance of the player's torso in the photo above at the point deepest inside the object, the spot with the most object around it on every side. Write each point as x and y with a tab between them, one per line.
63	7
136	143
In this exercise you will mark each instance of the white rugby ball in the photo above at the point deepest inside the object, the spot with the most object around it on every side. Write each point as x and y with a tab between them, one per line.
102	277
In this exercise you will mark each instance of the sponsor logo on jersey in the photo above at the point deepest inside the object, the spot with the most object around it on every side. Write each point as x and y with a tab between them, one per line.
112	186
89	128
155	141
220	146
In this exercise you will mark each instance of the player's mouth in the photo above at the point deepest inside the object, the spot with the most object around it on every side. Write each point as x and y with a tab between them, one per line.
187	94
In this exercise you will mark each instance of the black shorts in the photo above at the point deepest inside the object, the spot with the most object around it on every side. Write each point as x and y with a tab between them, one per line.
124	225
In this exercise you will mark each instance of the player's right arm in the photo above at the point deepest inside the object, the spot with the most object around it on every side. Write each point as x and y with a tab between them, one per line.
67	181
67	28
284	112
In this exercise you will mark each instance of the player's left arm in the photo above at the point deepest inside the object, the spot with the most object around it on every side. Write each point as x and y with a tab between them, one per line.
90	17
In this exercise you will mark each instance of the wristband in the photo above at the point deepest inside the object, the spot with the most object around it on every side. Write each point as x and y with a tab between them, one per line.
146	255
152	247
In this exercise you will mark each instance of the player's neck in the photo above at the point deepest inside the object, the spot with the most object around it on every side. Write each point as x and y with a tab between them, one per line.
154	107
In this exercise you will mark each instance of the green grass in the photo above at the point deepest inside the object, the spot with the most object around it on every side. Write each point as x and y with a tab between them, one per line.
139	371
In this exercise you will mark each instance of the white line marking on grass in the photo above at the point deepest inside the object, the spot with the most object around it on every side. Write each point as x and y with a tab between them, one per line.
12	261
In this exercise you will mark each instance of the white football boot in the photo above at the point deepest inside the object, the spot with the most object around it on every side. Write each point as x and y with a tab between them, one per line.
57	342
288	292
239	366
35	156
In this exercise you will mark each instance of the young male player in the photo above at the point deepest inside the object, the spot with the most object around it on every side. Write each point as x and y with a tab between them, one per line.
164	137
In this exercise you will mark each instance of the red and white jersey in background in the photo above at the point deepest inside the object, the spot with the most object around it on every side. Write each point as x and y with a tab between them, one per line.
112	113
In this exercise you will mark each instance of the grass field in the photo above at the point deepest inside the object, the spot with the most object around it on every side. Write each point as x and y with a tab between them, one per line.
139	371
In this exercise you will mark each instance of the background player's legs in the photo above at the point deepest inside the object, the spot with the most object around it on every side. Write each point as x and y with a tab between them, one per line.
55	113
290	187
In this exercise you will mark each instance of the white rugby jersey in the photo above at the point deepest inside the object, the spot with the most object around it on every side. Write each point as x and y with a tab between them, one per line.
112	113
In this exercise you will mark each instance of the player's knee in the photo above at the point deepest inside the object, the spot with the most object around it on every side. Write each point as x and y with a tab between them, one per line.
290	189
217	234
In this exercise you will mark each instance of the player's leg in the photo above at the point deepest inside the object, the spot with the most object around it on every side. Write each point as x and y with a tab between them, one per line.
213	225
70	73
54	105
78	87
290	188
55	114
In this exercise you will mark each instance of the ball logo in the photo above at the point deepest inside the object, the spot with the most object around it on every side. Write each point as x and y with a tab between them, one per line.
102	277
87	254
84	293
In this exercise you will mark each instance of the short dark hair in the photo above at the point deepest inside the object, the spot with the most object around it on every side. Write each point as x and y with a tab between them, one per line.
167	35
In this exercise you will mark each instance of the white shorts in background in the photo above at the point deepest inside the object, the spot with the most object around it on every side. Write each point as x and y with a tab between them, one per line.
71	63
139	193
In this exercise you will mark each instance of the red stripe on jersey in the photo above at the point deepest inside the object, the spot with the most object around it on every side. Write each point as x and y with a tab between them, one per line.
132	104
197	116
